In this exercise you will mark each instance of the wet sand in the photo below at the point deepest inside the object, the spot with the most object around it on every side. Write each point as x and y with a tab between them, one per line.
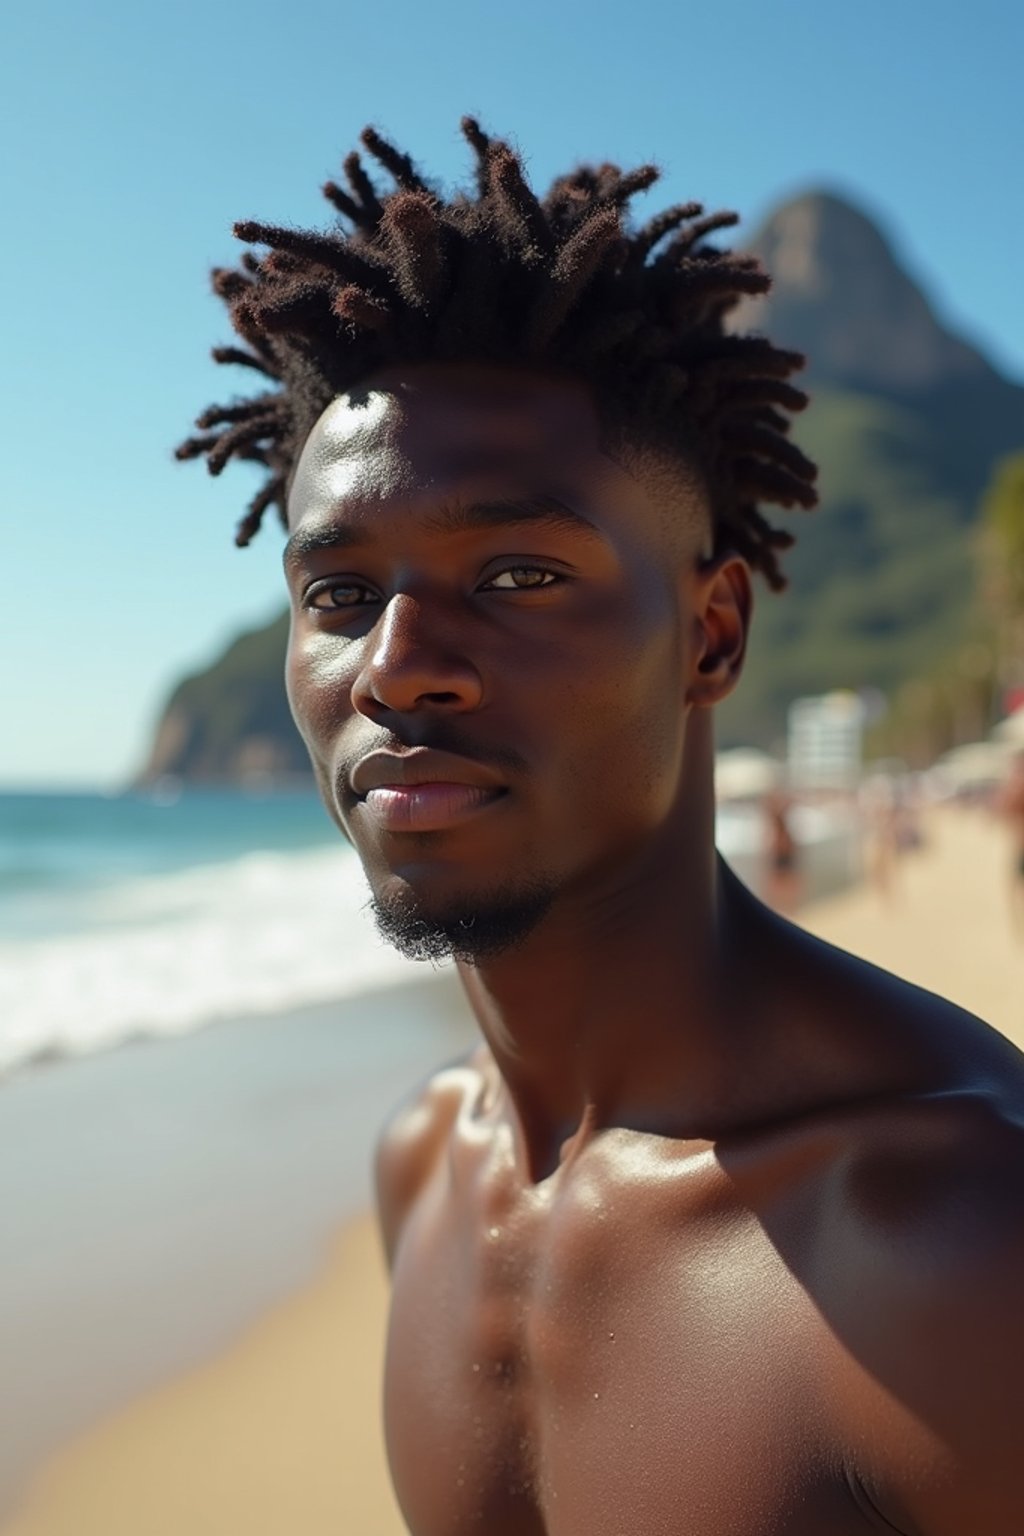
276	1437
159	1199
278	1431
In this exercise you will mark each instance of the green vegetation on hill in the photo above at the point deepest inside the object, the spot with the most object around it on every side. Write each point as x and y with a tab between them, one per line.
882	577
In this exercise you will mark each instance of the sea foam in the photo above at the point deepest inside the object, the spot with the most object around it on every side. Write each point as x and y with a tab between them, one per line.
163	955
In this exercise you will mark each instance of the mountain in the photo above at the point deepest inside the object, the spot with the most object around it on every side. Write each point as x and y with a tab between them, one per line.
906	422
840	294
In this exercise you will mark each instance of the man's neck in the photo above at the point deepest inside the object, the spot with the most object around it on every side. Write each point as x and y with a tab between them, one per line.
613	1012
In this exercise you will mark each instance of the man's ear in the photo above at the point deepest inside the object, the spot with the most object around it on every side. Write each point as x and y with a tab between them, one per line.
723	604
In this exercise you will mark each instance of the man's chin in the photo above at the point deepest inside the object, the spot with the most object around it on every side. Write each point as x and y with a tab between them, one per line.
471	928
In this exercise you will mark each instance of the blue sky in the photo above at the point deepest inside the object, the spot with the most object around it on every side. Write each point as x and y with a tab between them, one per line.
137	133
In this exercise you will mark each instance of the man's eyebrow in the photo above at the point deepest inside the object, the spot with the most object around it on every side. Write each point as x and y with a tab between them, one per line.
456	517
460	516
310	541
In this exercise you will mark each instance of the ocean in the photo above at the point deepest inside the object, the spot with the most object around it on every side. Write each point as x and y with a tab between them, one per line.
157	914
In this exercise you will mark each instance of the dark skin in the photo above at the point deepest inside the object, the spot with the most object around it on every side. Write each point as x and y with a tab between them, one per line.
719	1230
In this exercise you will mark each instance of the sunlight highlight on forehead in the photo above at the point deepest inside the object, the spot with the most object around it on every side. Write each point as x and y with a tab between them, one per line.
333	463
430	424
347	426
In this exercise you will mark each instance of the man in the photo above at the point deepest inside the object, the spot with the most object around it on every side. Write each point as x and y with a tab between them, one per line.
719	1230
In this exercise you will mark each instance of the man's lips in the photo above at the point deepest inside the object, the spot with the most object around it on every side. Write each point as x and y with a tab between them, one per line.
426	807
422	790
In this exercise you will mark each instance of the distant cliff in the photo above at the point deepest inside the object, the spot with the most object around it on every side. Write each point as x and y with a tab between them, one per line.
231	722
906	422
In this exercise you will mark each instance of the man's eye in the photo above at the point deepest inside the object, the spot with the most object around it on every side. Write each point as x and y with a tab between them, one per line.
340	594
521	578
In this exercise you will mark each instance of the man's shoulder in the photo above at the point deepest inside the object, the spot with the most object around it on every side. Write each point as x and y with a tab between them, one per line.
937	1178
416	1134
894	1196
928	1156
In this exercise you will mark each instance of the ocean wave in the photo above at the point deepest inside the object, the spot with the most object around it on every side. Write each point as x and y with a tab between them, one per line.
164	955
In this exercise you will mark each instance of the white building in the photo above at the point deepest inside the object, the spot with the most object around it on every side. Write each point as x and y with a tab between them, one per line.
825	747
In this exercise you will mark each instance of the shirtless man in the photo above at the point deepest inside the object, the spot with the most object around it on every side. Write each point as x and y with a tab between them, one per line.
719	1231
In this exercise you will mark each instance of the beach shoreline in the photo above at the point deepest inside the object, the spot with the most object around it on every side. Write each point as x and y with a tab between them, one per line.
269	1420
280	1432
161	1197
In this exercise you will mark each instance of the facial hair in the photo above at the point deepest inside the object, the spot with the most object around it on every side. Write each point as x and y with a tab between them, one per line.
481	928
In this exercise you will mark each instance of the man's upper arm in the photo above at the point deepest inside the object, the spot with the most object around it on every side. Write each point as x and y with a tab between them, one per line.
956	1370
976	1406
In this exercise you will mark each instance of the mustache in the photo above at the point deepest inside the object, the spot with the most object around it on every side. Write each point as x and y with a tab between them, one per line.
505	759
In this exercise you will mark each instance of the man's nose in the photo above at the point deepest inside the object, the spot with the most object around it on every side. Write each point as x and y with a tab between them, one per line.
412	664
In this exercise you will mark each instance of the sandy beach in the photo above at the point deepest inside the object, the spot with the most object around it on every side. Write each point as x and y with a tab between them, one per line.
192	1323
160	1199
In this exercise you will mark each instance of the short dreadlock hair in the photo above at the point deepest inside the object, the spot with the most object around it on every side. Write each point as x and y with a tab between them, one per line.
562	283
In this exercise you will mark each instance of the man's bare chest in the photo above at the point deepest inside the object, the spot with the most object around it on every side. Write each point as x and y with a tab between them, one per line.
608	1356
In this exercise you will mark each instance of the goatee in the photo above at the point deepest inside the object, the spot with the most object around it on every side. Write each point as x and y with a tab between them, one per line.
481	928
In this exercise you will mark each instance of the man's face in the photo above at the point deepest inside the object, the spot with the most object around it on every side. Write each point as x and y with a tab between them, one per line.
493	628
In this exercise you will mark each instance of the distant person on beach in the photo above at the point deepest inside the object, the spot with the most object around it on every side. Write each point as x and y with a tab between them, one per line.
878	798
892	826
1011	803
719	1229
781	854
